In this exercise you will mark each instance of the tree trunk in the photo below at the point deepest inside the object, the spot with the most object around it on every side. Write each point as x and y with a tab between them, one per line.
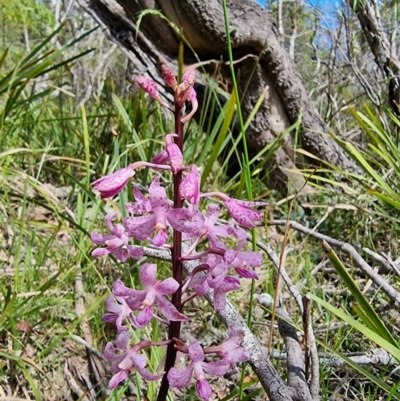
381	46
256	46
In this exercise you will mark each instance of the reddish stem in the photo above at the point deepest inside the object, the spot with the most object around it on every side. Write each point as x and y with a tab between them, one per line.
177	267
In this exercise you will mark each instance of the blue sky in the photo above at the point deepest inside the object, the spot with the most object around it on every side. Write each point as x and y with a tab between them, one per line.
323	4
325	7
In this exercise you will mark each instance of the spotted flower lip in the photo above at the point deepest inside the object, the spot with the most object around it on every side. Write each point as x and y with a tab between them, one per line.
116	243
114	183
154	293
180	378
126	359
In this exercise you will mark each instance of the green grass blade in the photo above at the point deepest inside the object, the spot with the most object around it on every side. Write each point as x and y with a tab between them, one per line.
368	311
230	110
373	336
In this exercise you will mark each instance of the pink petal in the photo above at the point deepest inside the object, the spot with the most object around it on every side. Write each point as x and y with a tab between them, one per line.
169	310
120	290
180	219
147	275
158	196
192	98
196	352
229	284
161	158
101	252
110	353
114	243
201	289
190	186
244	216
126	363
239	355
112	184
140	227
230	256
246	273
110	217
253	259
203	389
144	316
135	252
149	376
121	254
218	368
179	378
189	77
175	157
217	275
123	340
167	287
250	203
160	238
219	301
100	239
118	378
112	305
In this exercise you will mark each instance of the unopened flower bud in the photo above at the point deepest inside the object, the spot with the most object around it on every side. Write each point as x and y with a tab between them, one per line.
114	183
149	86
183	90
169	77
174	153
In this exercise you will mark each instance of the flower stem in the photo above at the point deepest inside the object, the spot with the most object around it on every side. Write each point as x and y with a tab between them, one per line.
177	267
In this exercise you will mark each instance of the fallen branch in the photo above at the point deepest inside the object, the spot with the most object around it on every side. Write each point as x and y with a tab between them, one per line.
393	294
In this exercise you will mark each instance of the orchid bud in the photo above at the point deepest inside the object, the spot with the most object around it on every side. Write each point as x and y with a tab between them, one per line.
114	183
184	88
174	153
169	77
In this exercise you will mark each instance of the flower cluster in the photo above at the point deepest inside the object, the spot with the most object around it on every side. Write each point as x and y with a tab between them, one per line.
153	218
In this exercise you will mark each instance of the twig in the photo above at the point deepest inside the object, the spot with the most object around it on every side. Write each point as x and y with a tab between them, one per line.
88	346
275	260
351	251
378	357
311	360
383	261
295	358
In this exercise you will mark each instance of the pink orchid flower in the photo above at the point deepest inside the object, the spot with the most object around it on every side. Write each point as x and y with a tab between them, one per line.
154	293
116	243
180	378
125	360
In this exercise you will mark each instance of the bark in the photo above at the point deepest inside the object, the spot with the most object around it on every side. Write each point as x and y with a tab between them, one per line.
381	47
256	45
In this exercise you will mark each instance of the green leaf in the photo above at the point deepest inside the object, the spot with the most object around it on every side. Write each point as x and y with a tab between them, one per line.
369	316
393	349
